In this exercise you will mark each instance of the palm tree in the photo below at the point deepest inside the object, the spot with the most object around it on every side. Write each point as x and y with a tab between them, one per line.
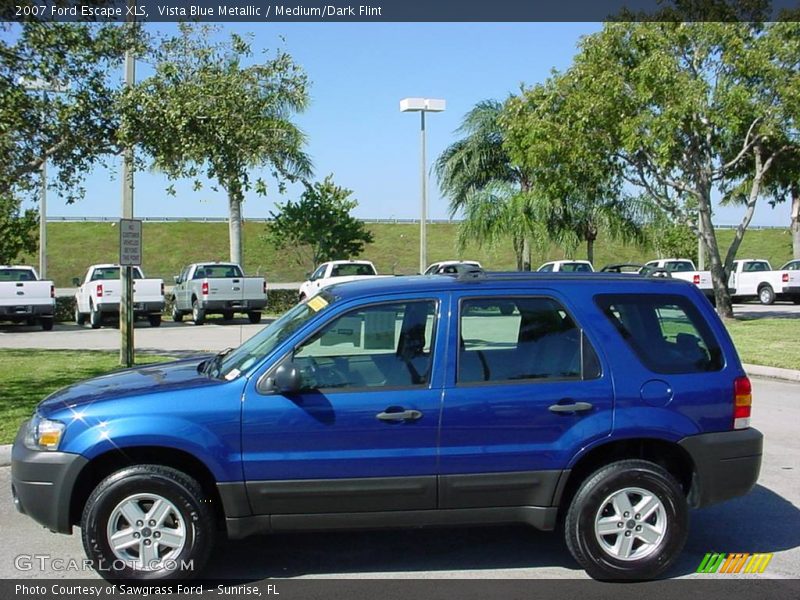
480	179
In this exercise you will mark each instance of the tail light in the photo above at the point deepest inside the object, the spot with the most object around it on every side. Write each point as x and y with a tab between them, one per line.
742	402
52	291
264	290
99	290
785	278
696	279
204	288
162	288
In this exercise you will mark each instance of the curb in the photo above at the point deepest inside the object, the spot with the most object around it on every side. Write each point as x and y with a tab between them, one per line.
772	372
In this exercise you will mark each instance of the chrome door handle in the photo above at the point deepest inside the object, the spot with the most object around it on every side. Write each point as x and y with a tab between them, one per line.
395	417
575	407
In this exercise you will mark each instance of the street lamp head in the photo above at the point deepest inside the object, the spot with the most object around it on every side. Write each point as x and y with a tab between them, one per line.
422	104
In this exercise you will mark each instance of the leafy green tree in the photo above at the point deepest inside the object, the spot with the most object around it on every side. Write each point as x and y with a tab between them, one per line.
58	102
681	111
208	109
18	230
670	239
319	227
482	182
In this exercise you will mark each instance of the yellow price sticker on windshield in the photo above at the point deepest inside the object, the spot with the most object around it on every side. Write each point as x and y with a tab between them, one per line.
317	303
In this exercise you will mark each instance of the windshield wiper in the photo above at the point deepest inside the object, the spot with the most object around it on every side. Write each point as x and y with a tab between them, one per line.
213	363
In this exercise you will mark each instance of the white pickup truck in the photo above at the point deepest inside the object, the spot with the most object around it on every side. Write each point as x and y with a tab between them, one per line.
566	266
101	291
24	298
217	288
754	278
336	271
681	268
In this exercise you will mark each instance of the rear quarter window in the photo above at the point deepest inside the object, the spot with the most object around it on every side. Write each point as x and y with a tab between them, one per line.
667	332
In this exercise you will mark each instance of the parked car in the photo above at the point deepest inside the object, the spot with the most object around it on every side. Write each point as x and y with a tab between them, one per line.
24	298
566	266
217	288
336	271
792	265
628	268
684	269
452	267
101	291
754	278
605	406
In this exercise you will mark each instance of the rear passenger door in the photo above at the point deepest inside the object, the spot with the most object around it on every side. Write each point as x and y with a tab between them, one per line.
526	393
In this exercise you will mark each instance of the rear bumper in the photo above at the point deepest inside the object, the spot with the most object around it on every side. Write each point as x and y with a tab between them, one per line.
21	311
233	305
139	308
791	290
727	464
42	483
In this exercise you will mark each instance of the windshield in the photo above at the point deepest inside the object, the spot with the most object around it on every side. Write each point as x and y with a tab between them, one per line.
257	347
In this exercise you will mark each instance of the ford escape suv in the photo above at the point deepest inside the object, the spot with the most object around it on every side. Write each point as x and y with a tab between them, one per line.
603	404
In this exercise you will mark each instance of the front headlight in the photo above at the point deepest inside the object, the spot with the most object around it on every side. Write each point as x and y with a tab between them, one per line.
43	434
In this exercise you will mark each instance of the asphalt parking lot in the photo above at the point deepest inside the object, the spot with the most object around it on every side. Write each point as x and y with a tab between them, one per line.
766	520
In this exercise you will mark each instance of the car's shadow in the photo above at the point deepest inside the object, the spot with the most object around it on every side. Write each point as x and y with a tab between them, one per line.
762	521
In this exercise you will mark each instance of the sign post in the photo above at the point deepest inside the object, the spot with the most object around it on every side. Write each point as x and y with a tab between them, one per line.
130	255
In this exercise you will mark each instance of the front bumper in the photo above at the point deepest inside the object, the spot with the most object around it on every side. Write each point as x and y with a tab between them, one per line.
42	483
726	464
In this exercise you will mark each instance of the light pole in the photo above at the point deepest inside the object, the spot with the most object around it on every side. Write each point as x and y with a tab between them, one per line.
39	85
423	105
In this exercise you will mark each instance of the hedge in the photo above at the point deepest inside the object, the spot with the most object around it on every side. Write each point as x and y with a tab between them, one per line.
279	301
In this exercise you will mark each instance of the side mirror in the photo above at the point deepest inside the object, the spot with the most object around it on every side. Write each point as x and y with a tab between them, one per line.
308	275
176	278
76	282
285	380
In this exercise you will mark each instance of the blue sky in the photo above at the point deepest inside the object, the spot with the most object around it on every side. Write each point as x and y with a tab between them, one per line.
359	73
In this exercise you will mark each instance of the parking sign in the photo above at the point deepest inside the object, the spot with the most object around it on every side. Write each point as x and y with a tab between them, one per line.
130	242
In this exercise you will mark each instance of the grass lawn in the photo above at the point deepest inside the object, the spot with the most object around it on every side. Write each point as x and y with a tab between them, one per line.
168	247
769	342
30	375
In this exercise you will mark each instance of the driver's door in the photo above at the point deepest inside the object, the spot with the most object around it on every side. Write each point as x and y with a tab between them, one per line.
361	433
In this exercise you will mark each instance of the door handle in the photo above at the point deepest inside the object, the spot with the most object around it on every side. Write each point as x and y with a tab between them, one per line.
574	407
396	417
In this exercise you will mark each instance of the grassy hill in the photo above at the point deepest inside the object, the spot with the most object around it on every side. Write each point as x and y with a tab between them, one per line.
169	246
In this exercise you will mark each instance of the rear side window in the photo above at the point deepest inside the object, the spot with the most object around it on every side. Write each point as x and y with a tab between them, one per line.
667	333
756	266
506	339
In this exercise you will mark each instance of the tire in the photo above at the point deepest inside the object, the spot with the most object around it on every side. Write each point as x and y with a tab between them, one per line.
46	323
766	295
592	507
188	524
255	317
198	314
227	315
95	317
30	321
154	320
177	315
302	298
80	318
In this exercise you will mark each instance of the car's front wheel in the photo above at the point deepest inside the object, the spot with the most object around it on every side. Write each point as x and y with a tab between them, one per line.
148	522
628	520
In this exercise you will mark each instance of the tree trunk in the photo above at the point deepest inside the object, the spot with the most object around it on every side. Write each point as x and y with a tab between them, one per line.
518	252
590	249
719	279
795	225
526	253
235	198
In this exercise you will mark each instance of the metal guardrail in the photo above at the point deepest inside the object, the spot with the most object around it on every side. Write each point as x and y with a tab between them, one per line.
390	220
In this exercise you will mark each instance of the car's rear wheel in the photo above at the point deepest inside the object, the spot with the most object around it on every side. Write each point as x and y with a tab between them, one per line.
227	315
46	323
766	295
95	317
148	522
198	314
255	317
155	320
628	520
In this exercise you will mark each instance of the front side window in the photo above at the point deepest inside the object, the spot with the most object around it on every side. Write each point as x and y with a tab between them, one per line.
506	339
382	345
667	333
546	268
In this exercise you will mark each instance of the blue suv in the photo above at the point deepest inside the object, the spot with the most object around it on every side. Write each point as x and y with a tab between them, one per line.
604	404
